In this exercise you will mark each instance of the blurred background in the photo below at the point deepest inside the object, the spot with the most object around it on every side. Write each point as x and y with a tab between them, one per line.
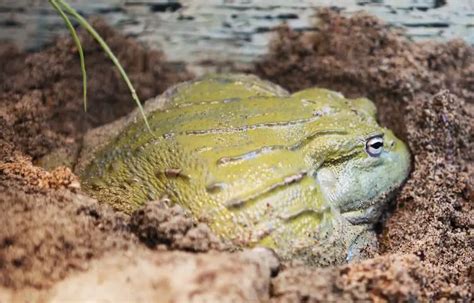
199	31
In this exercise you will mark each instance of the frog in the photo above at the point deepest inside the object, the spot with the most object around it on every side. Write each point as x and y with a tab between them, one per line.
306	174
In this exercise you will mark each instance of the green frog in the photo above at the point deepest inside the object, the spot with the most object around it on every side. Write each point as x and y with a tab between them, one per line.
306	174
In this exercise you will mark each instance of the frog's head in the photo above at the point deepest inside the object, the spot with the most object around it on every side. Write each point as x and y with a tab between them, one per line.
362	168
359	186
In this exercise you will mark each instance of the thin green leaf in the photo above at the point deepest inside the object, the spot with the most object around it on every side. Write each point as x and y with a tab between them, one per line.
77	41
83	22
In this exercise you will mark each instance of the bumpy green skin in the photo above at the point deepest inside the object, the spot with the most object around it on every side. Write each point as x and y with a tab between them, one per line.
261	166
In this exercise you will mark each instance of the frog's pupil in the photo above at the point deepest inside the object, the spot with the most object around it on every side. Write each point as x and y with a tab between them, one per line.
377	145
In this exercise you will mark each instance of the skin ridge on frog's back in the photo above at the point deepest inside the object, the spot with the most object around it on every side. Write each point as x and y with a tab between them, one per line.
239	153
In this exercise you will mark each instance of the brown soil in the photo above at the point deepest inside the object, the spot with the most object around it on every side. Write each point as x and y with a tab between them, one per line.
53	238
41	93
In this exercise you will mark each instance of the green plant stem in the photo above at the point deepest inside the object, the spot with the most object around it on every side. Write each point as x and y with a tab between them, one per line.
59	6
77	41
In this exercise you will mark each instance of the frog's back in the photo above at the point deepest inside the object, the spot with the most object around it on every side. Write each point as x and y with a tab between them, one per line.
232	150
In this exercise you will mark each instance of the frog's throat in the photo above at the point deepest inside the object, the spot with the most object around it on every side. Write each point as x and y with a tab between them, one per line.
373	209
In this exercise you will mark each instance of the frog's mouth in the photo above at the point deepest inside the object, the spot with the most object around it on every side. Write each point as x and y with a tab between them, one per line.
367	212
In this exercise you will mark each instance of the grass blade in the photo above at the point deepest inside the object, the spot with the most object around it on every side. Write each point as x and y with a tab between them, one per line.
83	22
77	41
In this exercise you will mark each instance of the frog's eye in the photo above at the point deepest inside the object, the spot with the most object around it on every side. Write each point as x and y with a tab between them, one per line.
374	146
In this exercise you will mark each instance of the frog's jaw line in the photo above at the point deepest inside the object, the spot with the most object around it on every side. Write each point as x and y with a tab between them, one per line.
371	214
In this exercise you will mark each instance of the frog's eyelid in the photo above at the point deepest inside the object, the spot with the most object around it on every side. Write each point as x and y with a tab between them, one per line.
374	136
362	141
